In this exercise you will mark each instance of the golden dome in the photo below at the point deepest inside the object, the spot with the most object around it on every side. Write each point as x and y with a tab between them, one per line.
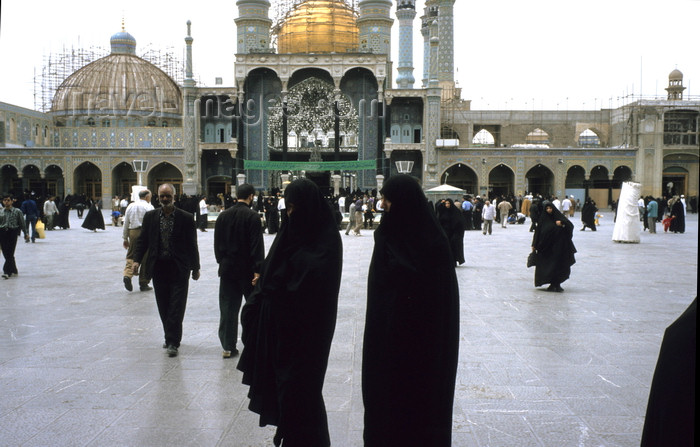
319	26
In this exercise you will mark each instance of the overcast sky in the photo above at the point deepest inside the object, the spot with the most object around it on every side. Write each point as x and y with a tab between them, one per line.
509	54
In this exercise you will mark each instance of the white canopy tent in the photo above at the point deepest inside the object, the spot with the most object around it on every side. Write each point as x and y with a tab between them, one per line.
445	191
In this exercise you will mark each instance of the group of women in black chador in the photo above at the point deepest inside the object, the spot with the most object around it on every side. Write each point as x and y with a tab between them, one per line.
412	307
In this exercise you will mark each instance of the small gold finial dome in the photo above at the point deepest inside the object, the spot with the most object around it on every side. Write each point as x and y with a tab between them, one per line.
319	26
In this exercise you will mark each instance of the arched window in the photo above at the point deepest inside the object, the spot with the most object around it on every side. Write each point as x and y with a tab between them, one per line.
588	138
483	138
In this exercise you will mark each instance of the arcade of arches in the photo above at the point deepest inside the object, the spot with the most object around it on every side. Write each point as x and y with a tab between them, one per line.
599	183
87	180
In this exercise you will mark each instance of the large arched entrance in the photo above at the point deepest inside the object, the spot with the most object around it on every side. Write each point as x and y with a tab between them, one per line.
575	183
165	173
675	181
217	169
501	180
123	178
461	176
600	186
55	183
32	181
540	180
680	174
87	181
620	174
10	181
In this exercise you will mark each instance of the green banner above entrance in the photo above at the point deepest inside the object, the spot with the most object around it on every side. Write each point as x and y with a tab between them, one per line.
357	165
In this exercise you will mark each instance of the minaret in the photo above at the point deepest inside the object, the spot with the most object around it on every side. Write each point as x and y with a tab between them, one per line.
375	26
253	26
189	95
189	79
446	59
429	15
405	12
675	85
190	185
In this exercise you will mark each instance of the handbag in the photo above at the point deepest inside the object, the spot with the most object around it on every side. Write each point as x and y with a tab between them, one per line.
39	227
532	259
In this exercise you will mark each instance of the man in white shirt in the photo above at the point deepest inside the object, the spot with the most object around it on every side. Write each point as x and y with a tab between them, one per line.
49	211
557	203
341	204
203	211
566	206
133	220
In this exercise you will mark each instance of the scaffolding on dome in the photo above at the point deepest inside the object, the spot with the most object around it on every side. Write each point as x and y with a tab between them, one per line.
58	66
301	26
282	7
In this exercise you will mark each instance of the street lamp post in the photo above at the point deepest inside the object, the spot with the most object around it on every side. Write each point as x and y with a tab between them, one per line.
140	166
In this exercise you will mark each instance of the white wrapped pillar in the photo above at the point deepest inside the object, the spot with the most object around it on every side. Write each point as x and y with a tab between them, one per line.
627	220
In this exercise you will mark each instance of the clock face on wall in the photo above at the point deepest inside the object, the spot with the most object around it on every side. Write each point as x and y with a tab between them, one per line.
251	28
375	29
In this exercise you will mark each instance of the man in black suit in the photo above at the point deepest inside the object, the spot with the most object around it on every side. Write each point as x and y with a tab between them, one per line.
170	237
240	251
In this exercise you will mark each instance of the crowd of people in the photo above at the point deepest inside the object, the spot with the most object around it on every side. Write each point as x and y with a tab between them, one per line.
412	290
670	211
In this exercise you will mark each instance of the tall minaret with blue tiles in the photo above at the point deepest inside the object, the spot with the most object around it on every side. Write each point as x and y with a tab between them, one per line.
405	12
375	22
429	16
446	60
253	26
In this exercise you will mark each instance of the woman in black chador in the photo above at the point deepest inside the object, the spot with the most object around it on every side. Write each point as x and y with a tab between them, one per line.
289	320
554	247
452	223
62	219
411	341
272	216
588	214
677	216
94	218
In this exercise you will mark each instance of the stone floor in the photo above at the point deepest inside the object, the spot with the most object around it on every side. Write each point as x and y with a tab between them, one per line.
81	361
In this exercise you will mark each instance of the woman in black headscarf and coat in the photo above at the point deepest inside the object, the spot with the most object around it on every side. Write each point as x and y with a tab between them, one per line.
411	339
289	321
555	249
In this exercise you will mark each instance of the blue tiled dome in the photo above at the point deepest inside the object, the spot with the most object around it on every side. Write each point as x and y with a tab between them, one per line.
123	43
